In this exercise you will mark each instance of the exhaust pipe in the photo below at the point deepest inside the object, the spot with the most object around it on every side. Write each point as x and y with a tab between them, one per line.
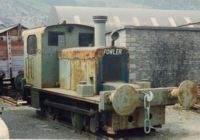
100	30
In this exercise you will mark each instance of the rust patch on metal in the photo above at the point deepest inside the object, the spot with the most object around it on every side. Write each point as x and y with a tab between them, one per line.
125	100
82	53
119	122
175	92
187	93
136	115
126	122
63	83
78	73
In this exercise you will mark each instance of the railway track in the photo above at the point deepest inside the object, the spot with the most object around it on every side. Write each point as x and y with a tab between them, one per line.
12	101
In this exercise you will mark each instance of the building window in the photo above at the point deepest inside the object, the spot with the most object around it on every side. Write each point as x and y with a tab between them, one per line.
86	39
56	39
31	44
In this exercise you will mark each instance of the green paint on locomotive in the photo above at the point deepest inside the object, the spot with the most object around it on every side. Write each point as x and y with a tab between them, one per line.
41	47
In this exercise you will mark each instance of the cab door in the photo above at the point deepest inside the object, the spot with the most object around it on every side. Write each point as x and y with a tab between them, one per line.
30	58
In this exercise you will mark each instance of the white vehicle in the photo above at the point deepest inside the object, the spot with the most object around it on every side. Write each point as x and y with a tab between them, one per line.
4	133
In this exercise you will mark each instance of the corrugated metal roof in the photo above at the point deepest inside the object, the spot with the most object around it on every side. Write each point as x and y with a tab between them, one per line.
2	25
10	27
6	29
118	17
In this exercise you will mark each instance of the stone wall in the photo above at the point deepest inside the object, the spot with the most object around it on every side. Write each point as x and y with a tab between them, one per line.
164	56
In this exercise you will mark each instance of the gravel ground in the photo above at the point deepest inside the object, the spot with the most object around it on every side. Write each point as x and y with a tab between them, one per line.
24	124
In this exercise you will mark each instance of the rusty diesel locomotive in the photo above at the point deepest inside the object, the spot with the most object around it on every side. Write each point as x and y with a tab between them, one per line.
66	75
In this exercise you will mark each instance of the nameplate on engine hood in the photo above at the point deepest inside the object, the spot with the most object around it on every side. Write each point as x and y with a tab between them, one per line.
113	51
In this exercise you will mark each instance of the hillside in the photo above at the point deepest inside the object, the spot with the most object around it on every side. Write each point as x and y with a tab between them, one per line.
33	13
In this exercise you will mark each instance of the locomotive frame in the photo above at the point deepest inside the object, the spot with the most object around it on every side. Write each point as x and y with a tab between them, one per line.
89	85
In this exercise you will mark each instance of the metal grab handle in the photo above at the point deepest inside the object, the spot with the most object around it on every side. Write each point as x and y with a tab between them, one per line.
32	74
26	65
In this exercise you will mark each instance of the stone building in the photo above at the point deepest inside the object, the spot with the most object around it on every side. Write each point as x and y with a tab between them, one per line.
163	44
163	55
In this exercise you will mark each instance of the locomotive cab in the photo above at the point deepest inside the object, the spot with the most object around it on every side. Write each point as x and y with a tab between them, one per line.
41	50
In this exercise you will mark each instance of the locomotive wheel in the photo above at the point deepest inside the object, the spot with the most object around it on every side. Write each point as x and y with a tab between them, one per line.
18	80
77	122
94	123
86	121
51	113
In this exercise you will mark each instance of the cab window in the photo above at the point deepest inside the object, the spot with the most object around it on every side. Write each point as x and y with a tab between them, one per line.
31	44
56	39
86	39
